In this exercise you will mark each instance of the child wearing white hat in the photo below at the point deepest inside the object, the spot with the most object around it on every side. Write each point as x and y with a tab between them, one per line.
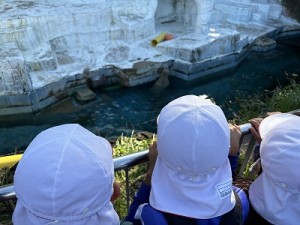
275	194
192	179
66	177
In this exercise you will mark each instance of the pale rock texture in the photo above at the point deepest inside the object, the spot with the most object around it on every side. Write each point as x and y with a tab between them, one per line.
50	48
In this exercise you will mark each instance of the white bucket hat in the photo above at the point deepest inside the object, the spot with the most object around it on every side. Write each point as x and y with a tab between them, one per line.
192	175
275	194
65	177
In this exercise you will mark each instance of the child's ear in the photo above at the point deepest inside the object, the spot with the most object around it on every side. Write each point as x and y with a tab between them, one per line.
116	192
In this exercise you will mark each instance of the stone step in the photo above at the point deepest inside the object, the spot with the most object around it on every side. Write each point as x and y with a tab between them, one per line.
40	23
247	11
264	45
192	48
85	95
23	36
40	58
86	39
255	31
142	72
235	12
15	23
9	35
136	20
14	75
42	64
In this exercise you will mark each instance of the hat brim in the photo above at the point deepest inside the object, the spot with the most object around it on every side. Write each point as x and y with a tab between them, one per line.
202	197
107	215
274	203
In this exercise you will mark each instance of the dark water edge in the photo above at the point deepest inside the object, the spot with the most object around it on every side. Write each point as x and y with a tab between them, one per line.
125	109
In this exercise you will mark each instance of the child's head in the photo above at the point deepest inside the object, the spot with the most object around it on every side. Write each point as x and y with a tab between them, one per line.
65	177
192	175
275	194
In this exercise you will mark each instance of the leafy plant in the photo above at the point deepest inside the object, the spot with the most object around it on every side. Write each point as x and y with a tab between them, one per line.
6	177
124	146
282	99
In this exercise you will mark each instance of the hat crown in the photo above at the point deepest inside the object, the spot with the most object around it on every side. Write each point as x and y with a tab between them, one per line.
192	175
193	135
66	173
280	151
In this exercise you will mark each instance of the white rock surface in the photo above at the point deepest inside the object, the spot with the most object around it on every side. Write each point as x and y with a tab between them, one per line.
50	42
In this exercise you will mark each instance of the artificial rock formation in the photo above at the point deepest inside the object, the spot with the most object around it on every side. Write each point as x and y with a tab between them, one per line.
50	48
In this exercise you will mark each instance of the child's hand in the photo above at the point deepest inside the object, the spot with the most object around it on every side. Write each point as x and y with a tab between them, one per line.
235	136
152	159
255	122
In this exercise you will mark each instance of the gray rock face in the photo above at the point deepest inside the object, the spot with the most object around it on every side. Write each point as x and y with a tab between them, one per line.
49	48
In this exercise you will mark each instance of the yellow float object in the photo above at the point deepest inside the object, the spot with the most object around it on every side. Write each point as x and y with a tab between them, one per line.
159	38
9	161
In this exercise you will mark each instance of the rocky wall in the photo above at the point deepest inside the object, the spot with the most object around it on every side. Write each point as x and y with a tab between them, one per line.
53	42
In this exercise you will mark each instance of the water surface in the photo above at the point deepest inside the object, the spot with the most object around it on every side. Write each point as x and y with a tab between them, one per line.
125	109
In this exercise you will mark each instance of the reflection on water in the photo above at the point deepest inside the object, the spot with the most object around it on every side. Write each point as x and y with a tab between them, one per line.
123	110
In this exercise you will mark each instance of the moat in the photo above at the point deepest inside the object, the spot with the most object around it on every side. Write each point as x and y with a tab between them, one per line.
118	110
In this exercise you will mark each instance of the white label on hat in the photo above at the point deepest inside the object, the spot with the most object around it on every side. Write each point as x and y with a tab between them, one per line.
224	189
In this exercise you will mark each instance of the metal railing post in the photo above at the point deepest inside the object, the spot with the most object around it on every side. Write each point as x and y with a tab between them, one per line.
127	188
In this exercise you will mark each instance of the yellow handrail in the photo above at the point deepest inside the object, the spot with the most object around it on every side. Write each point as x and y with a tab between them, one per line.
9	161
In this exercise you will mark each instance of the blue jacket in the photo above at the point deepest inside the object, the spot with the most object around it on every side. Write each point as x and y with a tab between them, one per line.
151	216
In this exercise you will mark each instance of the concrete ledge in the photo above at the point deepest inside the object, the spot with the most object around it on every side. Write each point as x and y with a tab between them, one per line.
59	46
208	68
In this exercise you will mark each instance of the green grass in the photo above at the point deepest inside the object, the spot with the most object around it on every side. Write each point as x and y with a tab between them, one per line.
124	146
6	177
282	99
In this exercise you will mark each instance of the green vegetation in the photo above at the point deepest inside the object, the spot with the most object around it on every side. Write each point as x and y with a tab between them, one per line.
282	99
6	177
124	146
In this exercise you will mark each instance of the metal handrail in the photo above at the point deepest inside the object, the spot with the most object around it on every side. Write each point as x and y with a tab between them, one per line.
131	160
7	191
125	163
121	163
